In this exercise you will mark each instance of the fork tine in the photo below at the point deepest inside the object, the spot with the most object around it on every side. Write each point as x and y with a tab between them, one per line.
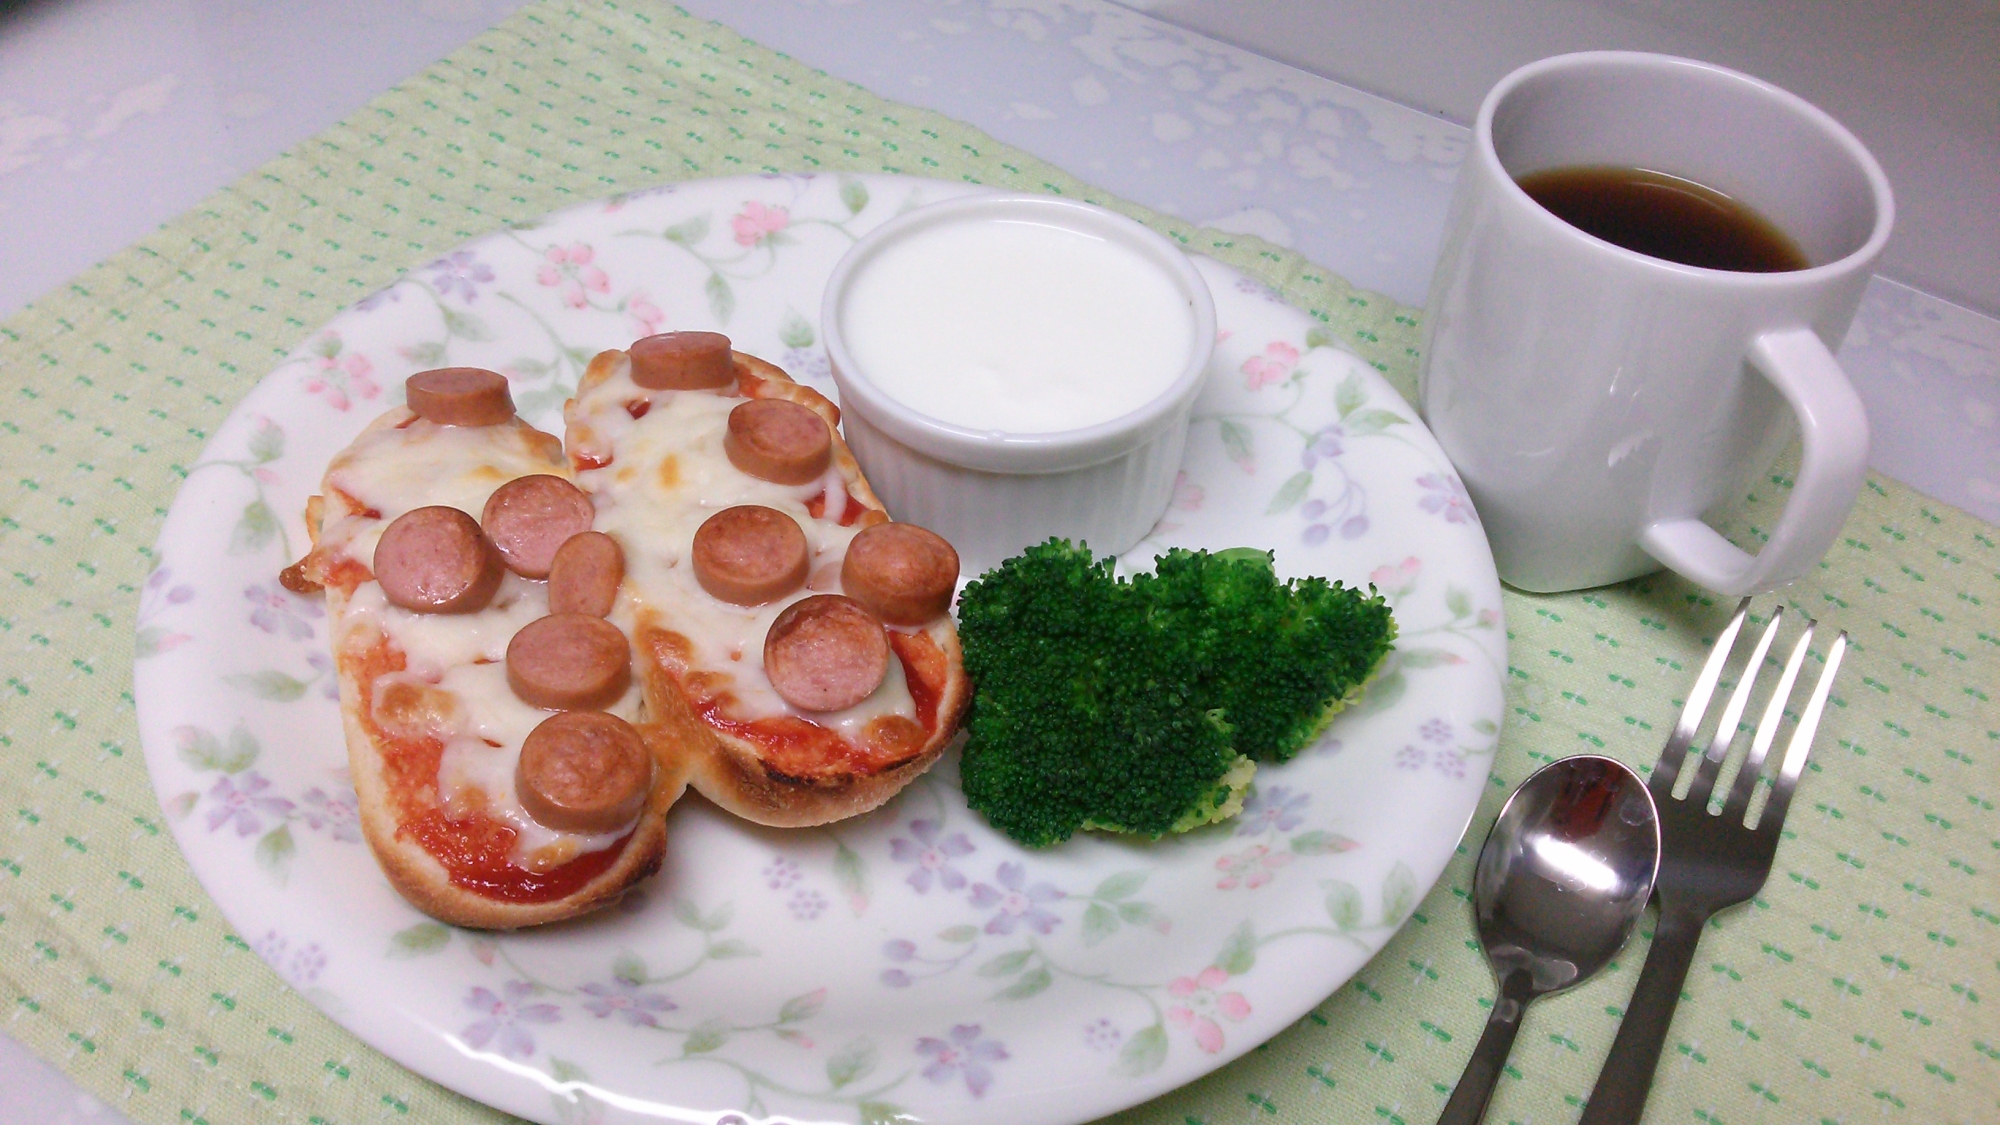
1800	746
1669	766
1732	714
1767	730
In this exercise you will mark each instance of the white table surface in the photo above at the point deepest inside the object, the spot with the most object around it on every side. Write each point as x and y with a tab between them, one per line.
117	115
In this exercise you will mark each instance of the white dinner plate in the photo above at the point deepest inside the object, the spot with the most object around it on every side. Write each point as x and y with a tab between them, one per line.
911	961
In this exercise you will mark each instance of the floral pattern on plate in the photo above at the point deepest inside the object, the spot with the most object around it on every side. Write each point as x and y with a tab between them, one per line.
909	963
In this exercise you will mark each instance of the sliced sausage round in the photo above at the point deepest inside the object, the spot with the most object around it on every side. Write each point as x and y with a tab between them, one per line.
778	440
569	662
826	653
459	396
528	518
750	554
585	574
902	573
436	560
682	361
583	771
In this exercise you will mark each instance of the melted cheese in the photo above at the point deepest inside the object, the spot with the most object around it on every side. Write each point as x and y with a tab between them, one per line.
474	773
669	473
390	470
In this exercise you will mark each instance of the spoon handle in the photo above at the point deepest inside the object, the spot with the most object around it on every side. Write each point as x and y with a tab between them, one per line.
1482	1072
1620	1094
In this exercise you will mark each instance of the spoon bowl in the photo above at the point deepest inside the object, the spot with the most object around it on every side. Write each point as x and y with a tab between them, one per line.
1563	877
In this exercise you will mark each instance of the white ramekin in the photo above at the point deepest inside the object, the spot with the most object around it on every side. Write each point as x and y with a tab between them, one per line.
994	494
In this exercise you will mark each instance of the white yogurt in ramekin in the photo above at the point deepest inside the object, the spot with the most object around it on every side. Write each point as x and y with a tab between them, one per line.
1015	367
1017	325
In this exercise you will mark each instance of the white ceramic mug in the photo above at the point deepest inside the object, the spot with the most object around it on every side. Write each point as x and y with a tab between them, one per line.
1598	401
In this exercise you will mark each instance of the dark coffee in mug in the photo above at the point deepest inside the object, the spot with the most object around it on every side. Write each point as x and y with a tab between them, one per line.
1665	217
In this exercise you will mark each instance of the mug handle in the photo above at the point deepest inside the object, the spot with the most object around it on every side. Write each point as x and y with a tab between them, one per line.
1833	433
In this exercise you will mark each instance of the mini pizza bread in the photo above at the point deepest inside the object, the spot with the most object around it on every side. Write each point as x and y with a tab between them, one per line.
503	776
793	643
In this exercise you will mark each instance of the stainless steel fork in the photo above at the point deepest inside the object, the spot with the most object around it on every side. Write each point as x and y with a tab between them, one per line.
1707	862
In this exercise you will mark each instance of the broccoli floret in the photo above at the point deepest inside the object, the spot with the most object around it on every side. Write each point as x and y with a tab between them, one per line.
1280	658
1130	706
1213	807
1078	714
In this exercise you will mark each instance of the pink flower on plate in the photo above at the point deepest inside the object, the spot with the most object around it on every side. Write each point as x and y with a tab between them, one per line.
757	223
340	376
1273	367
1200	1004
1397	579
1188	495
569	270
1250	869
646	317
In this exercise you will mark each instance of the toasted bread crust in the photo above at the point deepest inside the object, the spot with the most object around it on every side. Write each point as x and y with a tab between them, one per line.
411	870
732	773
729	770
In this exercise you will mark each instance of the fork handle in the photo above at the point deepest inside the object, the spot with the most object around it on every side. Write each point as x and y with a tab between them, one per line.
1620	1094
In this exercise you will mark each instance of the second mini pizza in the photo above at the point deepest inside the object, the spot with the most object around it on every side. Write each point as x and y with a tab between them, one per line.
794	643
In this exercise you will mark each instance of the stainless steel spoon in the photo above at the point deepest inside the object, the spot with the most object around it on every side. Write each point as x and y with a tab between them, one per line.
1562	880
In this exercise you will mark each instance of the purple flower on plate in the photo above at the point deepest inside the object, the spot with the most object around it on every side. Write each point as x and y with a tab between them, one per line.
501	1017
781	873
962	1051
1411	758
329	684
1258	289
895	978
1101	1034
1328	443
460	271
1436	730
623	998
808	365
1279	809
273	609
1450	763
932	855
806	905
241	804
1017	902
271	947
1445	496
385	295
337	814
162	579
305	966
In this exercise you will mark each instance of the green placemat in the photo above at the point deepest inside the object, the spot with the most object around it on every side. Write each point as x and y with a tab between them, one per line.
1860	986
